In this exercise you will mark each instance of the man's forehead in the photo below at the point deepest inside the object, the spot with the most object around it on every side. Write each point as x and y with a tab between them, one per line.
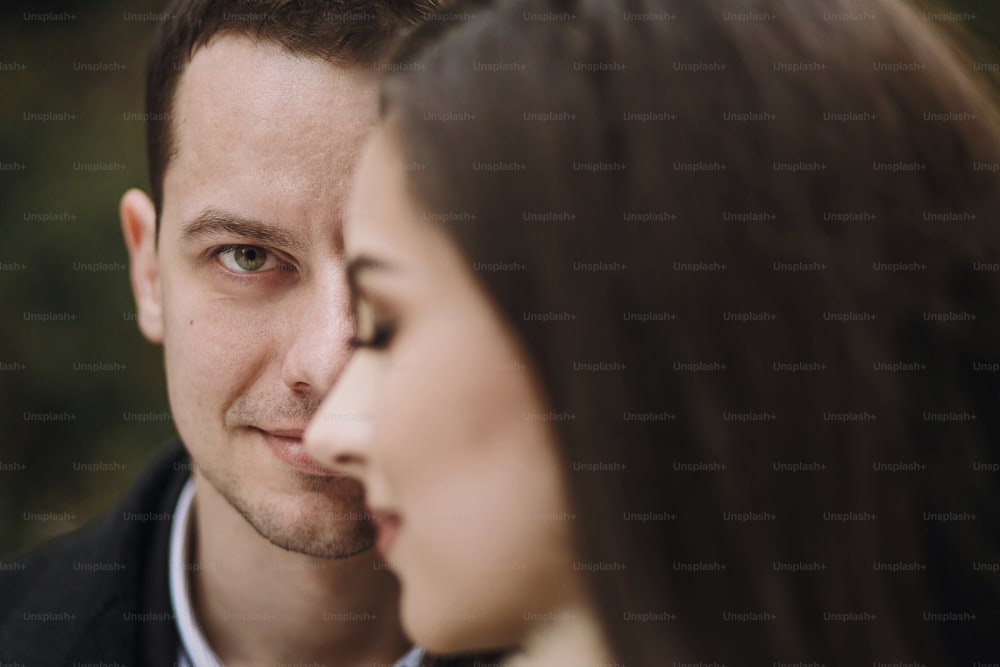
246	70
267	133
241	98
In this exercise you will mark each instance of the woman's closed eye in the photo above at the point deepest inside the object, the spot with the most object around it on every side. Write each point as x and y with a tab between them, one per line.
371	333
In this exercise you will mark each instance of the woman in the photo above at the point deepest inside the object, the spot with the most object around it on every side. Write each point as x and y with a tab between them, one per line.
666	350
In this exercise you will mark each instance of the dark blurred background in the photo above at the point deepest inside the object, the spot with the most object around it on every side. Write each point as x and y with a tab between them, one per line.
82	395
86	388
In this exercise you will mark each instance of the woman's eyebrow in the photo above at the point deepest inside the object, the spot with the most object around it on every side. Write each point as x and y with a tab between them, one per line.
361	263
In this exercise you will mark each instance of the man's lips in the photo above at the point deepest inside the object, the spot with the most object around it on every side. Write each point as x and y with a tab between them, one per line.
286	445
295	433
387	525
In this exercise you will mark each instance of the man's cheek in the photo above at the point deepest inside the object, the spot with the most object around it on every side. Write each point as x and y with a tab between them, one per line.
200	358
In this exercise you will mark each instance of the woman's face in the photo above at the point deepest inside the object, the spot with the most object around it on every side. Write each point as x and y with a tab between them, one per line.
440	416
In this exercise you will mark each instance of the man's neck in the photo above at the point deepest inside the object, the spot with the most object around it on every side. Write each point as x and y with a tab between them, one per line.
258	604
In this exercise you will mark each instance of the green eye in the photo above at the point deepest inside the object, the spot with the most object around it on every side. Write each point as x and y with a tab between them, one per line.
249	258
244	260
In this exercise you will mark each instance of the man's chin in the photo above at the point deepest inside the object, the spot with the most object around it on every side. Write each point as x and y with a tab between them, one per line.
327	546
322	534
314	515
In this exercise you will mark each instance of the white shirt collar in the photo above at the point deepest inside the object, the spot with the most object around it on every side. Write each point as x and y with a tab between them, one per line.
194	649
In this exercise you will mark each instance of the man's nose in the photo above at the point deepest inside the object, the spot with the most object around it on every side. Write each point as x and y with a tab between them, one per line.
319	334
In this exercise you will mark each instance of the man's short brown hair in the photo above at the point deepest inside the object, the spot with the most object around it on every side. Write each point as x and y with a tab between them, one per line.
342	32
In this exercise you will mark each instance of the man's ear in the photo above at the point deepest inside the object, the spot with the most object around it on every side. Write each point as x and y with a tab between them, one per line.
138	216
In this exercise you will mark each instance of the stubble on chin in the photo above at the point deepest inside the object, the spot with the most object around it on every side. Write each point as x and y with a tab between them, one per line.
334	540
330	522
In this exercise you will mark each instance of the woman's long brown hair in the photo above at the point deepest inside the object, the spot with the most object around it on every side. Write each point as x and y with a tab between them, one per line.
752	250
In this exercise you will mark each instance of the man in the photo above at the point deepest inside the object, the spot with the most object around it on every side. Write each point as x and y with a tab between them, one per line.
239	550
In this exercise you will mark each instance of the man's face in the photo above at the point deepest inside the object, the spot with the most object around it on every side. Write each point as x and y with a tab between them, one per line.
253	305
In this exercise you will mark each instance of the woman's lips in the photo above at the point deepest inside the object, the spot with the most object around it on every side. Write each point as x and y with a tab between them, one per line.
387	525
287	446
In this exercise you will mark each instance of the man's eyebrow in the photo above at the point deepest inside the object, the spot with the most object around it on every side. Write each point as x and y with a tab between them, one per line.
212	222
361	263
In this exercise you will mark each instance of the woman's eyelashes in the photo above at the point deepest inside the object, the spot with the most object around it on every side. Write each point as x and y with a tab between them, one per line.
379	340
371	333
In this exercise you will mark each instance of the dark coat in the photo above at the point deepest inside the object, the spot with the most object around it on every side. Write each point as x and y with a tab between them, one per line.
100	594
